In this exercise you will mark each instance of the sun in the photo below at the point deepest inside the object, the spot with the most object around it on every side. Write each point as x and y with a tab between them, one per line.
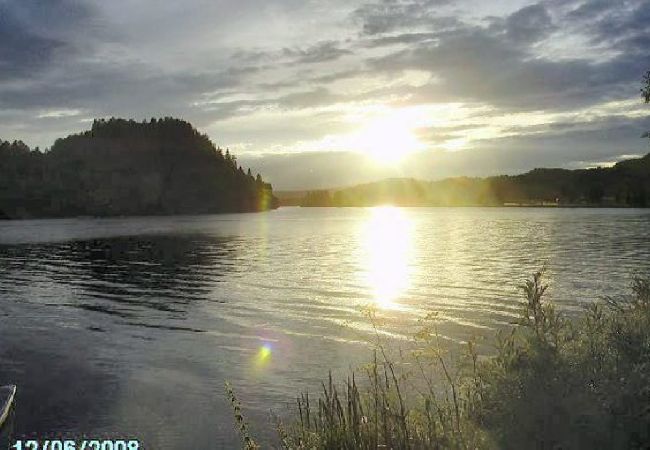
388	139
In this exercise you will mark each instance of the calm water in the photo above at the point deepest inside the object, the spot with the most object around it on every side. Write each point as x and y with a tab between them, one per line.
129	327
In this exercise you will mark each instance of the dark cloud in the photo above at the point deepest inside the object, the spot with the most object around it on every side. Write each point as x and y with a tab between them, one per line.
391	15
623	25
589	10
628	29
25	46
499	63
479	64
321	52
579	147
529	24
54	15
606	134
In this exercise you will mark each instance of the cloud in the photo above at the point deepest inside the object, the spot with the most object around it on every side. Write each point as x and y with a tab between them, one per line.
588	10
606	19
391	15
269	76
578	147
402	39
529	24
321	52
485	64
24	48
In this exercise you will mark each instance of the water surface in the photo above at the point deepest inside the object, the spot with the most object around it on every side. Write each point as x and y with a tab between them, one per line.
128	327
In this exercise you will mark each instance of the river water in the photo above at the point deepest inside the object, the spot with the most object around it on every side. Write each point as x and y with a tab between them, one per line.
129	327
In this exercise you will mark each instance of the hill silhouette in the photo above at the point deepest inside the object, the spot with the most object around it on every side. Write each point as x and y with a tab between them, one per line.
627	183
124	167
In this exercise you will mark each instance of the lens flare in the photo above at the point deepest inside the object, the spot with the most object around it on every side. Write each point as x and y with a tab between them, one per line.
263	355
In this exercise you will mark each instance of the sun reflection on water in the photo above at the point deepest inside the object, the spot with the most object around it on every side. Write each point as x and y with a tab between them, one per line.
387	238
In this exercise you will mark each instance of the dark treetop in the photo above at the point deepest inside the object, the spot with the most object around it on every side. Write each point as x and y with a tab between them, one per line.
123	167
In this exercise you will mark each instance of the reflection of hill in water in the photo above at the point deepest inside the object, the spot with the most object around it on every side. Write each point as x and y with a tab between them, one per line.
80	320
126	277
54	386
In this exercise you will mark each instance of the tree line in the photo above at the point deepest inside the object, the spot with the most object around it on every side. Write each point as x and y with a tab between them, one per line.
626	184
124	167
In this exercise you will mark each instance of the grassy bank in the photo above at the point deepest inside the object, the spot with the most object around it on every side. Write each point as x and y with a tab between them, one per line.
552	383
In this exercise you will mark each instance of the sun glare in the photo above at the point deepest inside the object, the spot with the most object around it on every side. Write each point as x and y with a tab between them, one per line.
389	138
263	355
387	238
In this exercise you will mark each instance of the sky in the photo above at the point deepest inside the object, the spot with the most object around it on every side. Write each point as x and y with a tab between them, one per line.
317	94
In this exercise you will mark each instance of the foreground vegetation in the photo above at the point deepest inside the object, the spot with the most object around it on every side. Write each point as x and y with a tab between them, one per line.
123	167
552	383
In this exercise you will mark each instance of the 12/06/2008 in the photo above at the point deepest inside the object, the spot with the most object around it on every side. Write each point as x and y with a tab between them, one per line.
76	445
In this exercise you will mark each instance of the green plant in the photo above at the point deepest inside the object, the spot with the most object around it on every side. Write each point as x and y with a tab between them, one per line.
552	383
242	425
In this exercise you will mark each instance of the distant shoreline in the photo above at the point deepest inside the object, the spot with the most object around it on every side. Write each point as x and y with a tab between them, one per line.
626	184
477	206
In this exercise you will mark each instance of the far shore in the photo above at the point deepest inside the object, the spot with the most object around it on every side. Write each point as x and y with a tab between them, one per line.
522	205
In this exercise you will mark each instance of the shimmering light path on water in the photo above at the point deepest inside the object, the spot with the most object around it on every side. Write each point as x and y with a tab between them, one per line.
129	326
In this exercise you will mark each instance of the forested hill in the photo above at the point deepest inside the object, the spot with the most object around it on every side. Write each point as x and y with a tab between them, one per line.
123	167
625	184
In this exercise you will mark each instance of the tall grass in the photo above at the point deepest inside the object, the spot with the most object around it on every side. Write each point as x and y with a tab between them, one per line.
552	383
242	425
